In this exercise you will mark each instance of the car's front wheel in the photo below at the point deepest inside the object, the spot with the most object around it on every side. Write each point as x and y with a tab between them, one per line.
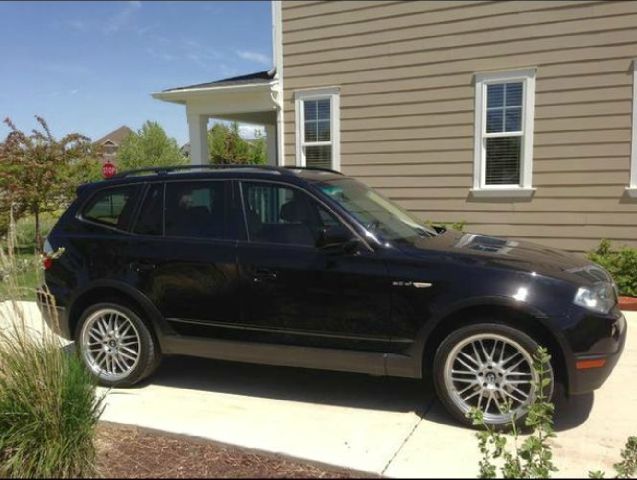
488	366
116	345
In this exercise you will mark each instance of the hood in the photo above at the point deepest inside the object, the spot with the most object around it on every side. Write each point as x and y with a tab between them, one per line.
516	254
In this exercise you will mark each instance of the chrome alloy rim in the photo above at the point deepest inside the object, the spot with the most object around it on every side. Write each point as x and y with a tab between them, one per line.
489	371
110	344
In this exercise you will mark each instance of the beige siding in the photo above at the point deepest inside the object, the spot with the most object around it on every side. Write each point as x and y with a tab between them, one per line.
405	70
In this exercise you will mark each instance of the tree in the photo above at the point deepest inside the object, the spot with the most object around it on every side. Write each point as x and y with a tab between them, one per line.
227	147
39	173
149	147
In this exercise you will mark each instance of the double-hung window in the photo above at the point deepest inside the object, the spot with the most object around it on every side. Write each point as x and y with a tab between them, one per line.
317	128
503	153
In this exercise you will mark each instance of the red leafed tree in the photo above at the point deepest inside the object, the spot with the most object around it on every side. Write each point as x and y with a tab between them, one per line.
39	173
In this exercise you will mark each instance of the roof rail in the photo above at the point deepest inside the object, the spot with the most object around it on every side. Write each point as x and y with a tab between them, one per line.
186	168
319	169
179	168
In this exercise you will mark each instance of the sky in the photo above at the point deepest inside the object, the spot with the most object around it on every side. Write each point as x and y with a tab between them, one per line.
90	67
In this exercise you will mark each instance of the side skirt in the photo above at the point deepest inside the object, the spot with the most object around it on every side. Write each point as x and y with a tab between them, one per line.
292	356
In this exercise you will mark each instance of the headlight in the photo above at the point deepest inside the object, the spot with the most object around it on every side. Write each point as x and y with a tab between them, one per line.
598	298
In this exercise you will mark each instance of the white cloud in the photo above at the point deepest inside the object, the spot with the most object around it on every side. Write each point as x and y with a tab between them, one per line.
64	68
78	25
254	57
196	59
249	132
141	31
192	43
122	18
166	57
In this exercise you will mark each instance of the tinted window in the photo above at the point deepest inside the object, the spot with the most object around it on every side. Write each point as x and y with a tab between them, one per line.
373	211
150	219
112	206
195	209
280	214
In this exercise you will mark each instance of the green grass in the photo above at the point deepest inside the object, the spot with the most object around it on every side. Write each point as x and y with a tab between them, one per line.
26	276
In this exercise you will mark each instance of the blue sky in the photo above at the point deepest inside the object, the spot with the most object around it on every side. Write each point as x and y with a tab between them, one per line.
91	66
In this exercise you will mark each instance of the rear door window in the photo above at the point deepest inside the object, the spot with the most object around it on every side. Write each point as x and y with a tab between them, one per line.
113	207
196	209
151	216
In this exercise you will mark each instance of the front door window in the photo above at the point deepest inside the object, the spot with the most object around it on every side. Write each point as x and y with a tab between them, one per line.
283	215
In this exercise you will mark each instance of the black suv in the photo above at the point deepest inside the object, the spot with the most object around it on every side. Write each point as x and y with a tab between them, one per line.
310	268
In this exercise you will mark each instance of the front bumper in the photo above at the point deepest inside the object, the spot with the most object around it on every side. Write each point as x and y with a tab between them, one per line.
56	317
588	379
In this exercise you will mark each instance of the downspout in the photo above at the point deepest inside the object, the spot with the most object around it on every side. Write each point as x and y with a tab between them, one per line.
277	75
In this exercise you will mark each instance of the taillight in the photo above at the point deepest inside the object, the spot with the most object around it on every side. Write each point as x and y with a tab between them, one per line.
47	262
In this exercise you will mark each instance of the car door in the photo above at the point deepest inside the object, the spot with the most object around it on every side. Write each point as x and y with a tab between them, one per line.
185	255
103	239
298	294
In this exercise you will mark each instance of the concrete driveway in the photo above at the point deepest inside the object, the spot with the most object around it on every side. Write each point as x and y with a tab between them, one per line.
392	427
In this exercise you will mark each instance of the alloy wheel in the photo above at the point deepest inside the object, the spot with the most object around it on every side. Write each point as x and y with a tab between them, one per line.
493	373
111	344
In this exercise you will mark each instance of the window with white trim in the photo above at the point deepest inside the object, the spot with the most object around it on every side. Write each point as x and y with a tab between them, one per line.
317	128
504	109
632	187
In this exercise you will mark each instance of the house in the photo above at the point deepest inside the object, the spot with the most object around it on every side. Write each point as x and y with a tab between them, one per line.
518	118
185	149
110	143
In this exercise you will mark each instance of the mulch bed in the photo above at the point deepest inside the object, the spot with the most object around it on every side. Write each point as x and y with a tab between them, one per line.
131	452
628	304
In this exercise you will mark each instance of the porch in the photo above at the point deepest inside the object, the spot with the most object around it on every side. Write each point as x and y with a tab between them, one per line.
252	99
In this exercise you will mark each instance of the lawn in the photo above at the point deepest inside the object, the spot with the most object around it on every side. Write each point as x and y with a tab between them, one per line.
27	278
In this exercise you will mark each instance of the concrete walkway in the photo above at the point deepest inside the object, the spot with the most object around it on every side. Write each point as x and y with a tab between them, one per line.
385	426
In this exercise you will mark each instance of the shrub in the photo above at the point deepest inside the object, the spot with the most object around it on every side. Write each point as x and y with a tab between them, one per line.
48	404
225	146
25	229
39	173
621	264
48	409
534	458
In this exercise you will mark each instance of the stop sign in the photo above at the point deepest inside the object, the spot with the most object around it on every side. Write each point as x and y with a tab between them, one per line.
108	169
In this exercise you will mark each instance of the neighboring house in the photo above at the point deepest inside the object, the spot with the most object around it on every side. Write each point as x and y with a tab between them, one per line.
185	149
110	143
516	117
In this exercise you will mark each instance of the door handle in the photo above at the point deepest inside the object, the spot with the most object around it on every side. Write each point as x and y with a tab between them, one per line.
264	275
144	267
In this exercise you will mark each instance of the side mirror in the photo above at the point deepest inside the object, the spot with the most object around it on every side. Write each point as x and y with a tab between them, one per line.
337	239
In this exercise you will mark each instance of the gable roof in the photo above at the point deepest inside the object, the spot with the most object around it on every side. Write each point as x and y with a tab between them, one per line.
116	136
265	76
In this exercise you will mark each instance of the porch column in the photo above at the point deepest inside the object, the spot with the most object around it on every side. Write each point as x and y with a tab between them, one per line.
271	144
198	133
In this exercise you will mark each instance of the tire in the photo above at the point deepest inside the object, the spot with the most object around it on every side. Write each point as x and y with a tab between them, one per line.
116	345
504	347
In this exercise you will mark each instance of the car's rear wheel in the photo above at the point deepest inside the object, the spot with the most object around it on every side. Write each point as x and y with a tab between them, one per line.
490	367
116	345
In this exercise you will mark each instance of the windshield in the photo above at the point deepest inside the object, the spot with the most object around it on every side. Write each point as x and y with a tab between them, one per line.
375	212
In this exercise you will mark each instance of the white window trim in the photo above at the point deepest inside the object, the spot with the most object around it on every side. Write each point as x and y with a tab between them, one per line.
333	93
525	188
631	190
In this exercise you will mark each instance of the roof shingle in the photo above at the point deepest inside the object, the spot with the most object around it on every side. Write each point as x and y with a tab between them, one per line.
264	76
116	136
